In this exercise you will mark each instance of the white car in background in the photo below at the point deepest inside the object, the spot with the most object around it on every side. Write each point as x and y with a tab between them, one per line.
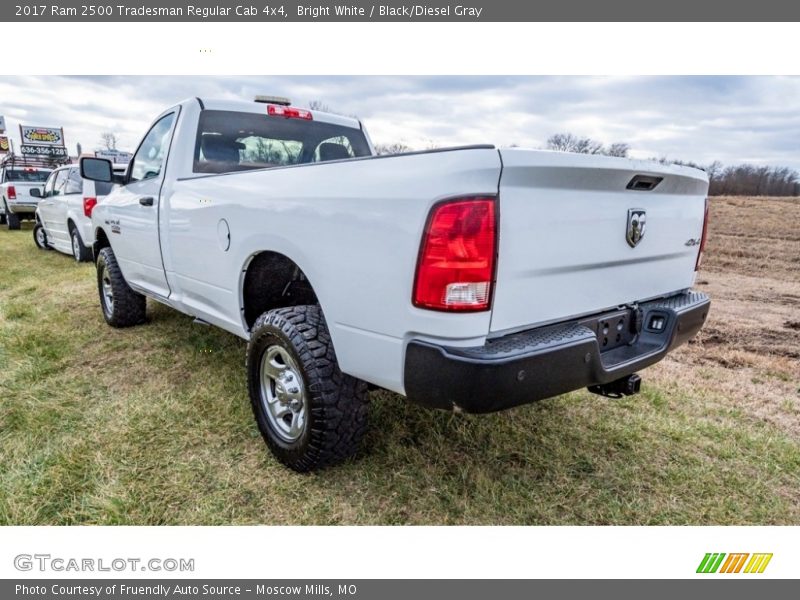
64	214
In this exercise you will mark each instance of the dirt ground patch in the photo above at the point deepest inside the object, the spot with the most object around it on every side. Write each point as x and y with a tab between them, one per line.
750	345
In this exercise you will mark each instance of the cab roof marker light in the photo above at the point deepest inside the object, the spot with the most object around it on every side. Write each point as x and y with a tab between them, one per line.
273	100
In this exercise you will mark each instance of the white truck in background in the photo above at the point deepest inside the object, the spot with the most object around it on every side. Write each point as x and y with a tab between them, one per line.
468	279
18	178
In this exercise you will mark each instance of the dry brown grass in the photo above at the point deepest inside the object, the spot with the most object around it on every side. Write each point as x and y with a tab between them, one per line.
750	346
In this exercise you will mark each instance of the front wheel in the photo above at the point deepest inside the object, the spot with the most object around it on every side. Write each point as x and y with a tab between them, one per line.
122	307
310	414
79	251
40	237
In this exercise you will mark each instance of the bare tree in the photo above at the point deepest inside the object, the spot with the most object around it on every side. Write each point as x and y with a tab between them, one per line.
319	105
619	149
568	142
324	107
393	148
108	140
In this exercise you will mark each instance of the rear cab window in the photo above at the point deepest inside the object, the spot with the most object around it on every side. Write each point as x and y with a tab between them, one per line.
25	176
238	141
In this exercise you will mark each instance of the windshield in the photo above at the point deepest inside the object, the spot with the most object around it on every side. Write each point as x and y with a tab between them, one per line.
23	176
236	141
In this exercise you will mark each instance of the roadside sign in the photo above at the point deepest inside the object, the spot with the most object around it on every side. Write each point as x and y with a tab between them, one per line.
115	156
43	151
4	145
2	124
41	136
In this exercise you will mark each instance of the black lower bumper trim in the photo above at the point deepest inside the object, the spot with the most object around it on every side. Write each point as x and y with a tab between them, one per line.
545	362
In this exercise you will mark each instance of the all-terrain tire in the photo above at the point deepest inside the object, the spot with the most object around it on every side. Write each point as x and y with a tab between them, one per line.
124	307
80	252
40	237
12	221
337	404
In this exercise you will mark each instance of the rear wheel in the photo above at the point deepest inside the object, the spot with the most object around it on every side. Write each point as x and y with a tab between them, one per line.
310	414
12	221
79	251
40	237
122	307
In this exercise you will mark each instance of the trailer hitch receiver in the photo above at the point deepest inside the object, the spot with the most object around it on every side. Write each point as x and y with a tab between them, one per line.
625	386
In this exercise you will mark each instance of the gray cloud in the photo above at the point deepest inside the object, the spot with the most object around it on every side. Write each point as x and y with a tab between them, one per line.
731	119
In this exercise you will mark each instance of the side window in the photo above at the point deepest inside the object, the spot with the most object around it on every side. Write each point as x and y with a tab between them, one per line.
149	159
74	183
335	148
48	186
60	182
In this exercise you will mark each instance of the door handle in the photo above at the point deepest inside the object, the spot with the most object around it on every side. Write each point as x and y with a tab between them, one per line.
146	201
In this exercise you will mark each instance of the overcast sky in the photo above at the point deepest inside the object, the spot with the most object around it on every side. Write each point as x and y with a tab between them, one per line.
731	119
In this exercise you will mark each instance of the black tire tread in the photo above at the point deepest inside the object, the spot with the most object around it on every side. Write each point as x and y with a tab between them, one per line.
36	228
339	402
12	221
129	306
85	254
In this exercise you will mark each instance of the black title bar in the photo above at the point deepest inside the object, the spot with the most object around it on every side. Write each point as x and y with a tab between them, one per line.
430	11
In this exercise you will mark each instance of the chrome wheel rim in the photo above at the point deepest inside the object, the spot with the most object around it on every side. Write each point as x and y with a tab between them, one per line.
283	396
40	237
76	248
106	291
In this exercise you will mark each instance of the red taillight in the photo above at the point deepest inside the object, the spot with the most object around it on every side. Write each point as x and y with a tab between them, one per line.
455	270
703	238
290	112
12	192
88	206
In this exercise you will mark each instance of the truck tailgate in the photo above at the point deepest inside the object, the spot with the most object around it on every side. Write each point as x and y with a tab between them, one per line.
23	192
565	220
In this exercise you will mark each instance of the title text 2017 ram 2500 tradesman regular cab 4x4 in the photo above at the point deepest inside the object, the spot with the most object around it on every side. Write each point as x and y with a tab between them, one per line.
469	279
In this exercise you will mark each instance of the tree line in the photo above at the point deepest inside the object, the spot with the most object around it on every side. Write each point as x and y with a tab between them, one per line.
724	180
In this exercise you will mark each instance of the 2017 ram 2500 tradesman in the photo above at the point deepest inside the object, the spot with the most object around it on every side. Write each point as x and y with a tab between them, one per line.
470	279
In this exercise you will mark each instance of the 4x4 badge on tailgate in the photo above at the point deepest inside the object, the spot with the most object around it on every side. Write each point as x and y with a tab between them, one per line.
637	218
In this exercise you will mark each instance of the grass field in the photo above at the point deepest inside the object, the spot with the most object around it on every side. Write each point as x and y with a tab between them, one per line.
152	425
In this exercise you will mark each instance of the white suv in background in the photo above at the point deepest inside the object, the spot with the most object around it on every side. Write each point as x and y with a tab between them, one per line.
63	217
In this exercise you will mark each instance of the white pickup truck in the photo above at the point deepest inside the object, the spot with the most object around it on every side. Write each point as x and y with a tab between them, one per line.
468	279
17	182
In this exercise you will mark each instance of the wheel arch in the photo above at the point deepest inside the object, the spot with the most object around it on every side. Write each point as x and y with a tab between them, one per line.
101	241
270	280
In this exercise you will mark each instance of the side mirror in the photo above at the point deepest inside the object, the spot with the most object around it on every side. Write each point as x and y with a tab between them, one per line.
97	169
36	192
